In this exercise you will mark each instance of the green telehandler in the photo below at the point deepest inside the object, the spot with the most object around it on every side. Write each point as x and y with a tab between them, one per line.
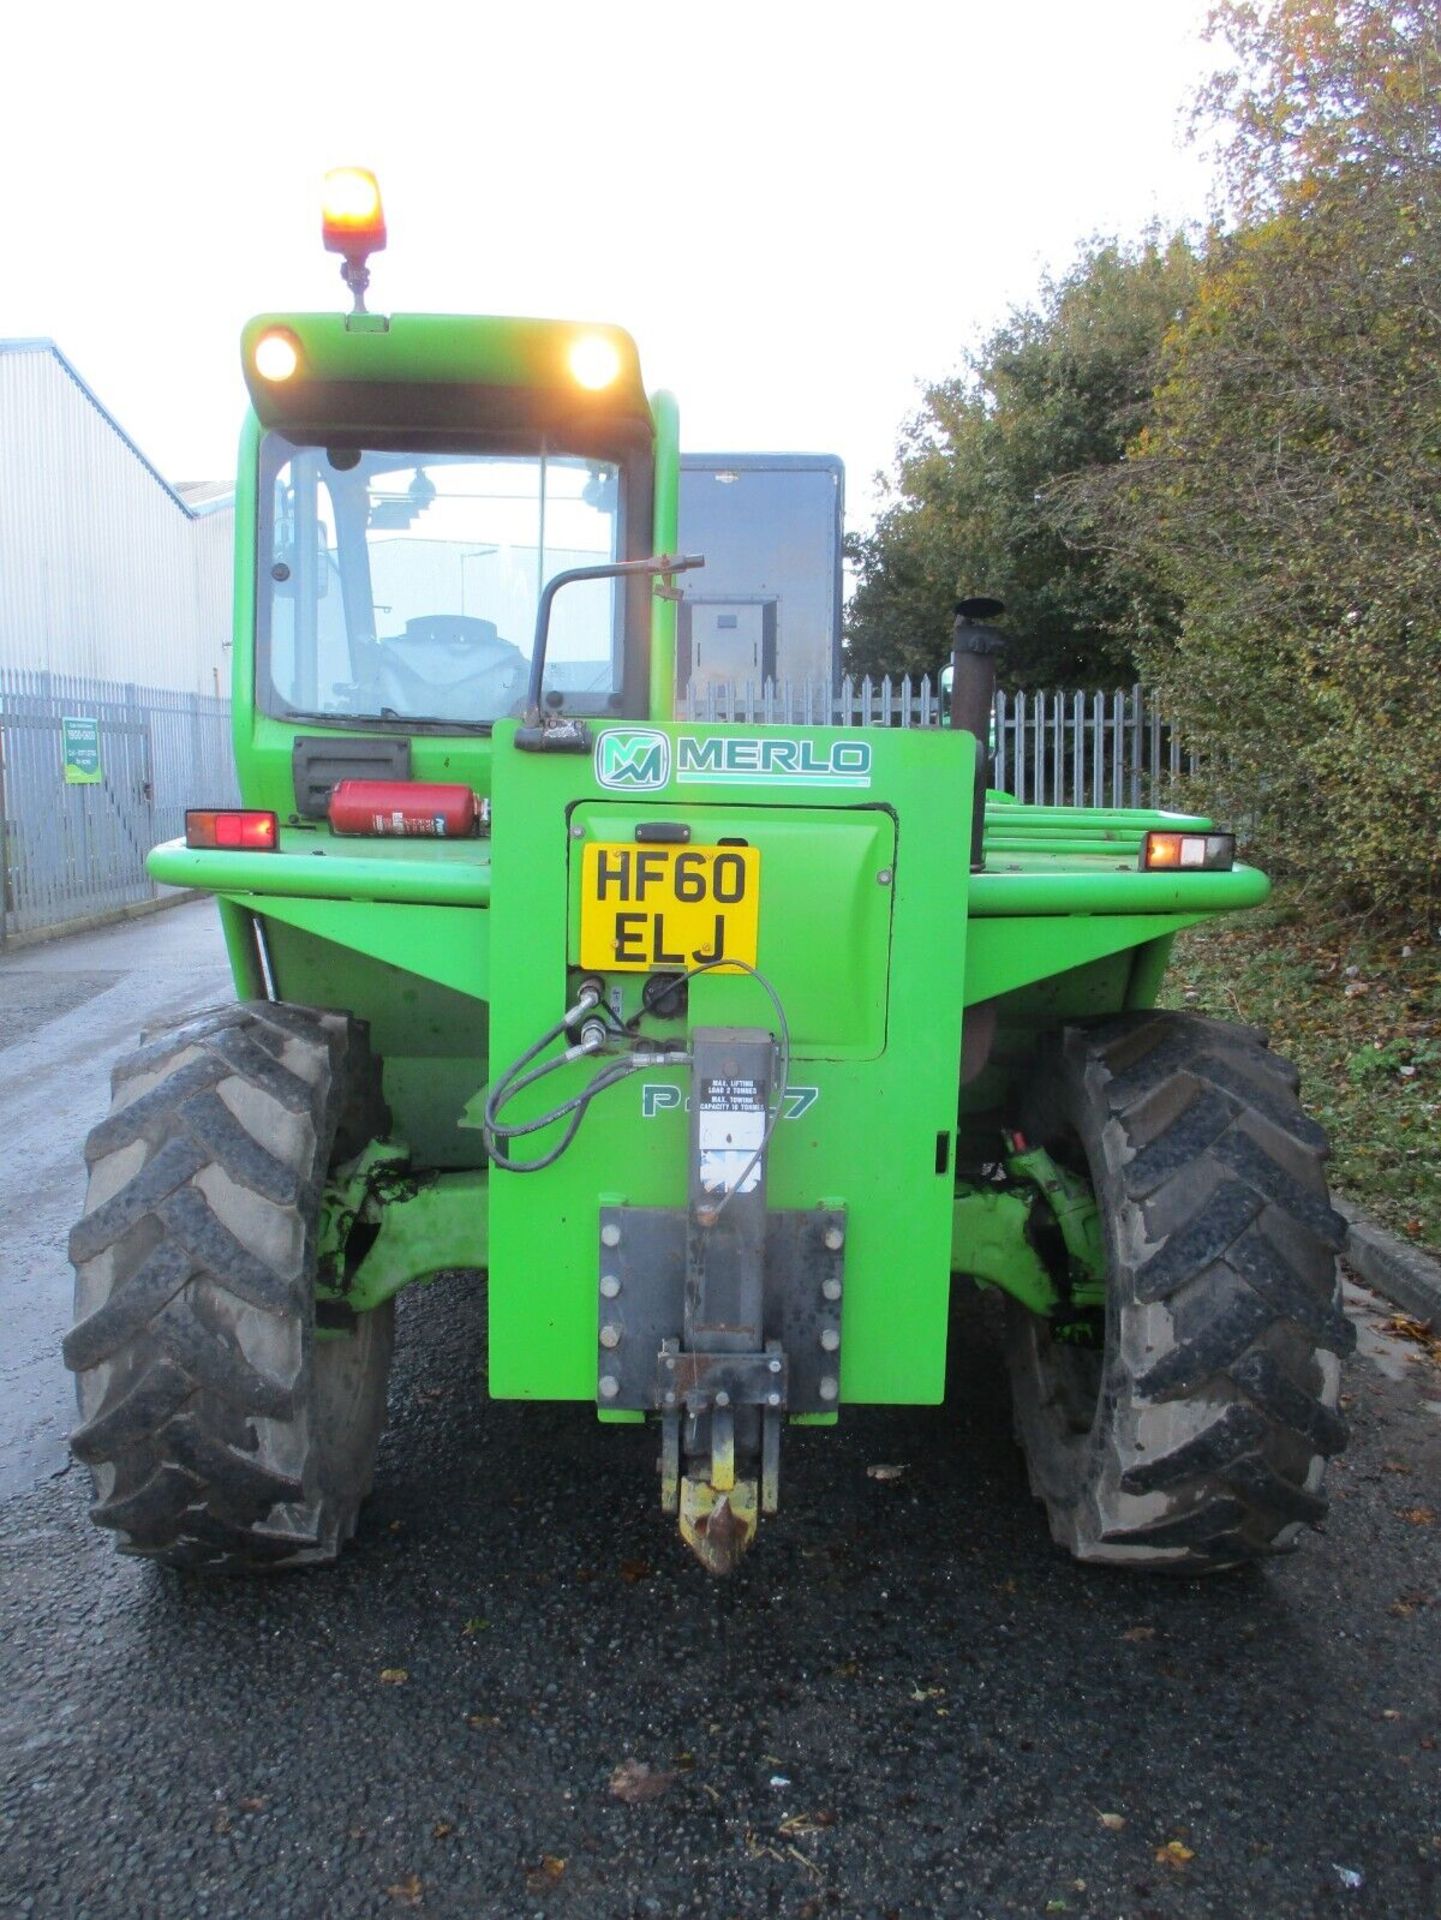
721	1048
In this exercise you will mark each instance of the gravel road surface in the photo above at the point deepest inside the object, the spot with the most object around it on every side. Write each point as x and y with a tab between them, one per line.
906	1703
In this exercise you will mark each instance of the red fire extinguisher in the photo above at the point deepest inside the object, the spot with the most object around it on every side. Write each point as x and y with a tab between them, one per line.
427	809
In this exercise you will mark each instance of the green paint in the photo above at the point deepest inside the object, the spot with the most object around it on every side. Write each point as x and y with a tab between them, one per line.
871	1135
314	866
237	925
995	1235
1072	1204
664	540
423	1227
459	953
989	1243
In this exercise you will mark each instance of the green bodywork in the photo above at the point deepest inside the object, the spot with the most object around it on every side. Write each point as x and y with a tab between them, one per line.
878	940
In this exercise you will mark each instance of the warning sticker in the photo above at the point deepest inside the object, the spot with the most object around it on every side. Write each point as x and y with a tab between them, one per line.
730	1126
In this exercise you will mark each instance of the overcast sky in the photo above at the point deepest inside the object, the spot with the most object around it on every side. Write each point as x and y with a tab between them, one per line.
800	210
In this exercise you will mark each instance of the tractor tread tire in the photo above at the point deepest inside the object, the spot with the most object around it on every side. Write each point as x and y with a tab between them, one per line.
1219	1385
220	1433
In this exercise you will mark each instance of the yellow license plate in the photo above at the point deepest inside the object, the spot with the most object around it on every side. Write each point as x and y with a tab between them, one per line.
644	908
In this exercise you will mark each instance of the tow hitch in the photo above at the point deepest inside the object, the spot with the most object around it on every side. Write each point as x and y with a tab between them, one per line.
726	1317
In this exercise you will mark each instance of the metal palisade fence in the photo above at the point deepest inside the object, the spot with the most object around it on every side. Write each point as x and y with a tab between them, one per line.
92	774
1052	747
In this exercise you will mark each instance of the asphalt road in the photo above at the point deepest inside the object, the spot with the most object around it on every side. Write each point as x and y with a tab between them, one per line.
906	1703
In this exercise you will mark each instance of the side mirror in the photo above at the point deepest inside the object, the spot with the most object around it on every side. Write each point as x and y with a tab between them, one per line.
662	564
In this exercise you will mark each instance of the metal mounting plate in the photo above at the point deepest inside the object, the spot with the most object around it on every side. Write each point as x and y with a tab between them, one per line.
642	1305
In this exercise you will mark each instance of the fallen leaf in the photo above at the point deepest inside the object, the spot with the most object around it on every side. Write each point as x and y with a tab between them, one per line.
222	1823
253	1803
1139	1633
794	1853
1173	1854
635	1782
804	1823
1418	1516
886	1472
927	1693
394	1676
633	1570
479	1720
442	1830
409	1892
477	1625
1408	1327
548	1874
1112	1822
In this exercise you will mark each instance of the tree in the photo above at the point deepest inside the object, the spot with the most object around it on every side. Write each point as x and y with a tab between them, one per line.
1286	487
1061	385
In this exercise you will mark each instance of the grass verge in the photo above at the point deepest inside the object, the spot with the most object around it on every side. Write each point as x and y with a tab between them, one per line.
1359	1011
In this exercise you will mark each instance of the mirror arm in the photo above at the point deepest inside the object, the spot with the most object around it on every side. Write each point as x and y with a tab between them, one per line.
663	564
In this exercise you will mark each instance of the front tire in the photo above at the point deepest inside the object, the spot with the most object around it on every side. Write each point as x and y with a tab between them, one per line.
1193	1432
219	1430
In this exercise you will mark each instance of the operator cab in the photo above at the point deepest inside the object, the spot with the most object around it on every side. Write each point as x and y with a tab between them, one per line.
401	587
422	478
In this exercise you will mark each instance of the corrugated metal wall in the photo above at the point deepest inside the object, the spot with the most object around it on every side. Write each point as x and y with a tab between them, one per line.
103	569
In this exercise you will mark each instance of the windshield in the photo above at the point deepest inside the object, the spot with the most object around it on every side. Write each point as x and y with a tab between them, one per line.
401	587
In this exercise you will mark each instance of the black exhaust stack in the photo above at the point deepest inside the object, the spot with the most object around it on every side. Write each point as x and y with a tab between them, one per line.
973	697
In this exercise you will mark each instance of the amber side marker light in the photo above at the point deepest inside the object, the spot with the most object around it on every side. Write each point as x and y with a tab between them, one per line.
207	829
1188	852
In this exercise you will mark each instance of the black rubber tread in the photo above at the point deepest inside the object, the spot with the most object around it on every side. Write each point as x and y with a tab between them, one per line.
1219	1383
221	1433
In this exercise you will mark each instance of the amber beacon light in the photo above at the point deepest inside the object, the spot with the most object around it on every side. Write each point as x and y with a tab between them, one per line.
353	224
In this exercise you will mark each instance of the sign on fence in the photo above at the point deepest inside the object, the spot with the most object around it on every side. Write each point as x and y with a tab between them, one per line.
80	750
132	759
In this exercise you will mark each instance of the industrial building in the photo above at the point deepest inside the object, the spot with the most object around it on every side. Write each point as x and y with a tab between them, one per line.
106	569
115	617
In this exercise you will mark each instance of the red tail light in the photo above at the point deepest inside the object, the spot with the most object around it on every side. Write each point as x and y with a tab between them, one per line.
248	832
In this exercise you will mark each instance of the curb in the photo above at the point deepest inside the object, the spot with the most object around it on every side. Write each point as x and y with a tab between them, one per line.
97	922
1404	1274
